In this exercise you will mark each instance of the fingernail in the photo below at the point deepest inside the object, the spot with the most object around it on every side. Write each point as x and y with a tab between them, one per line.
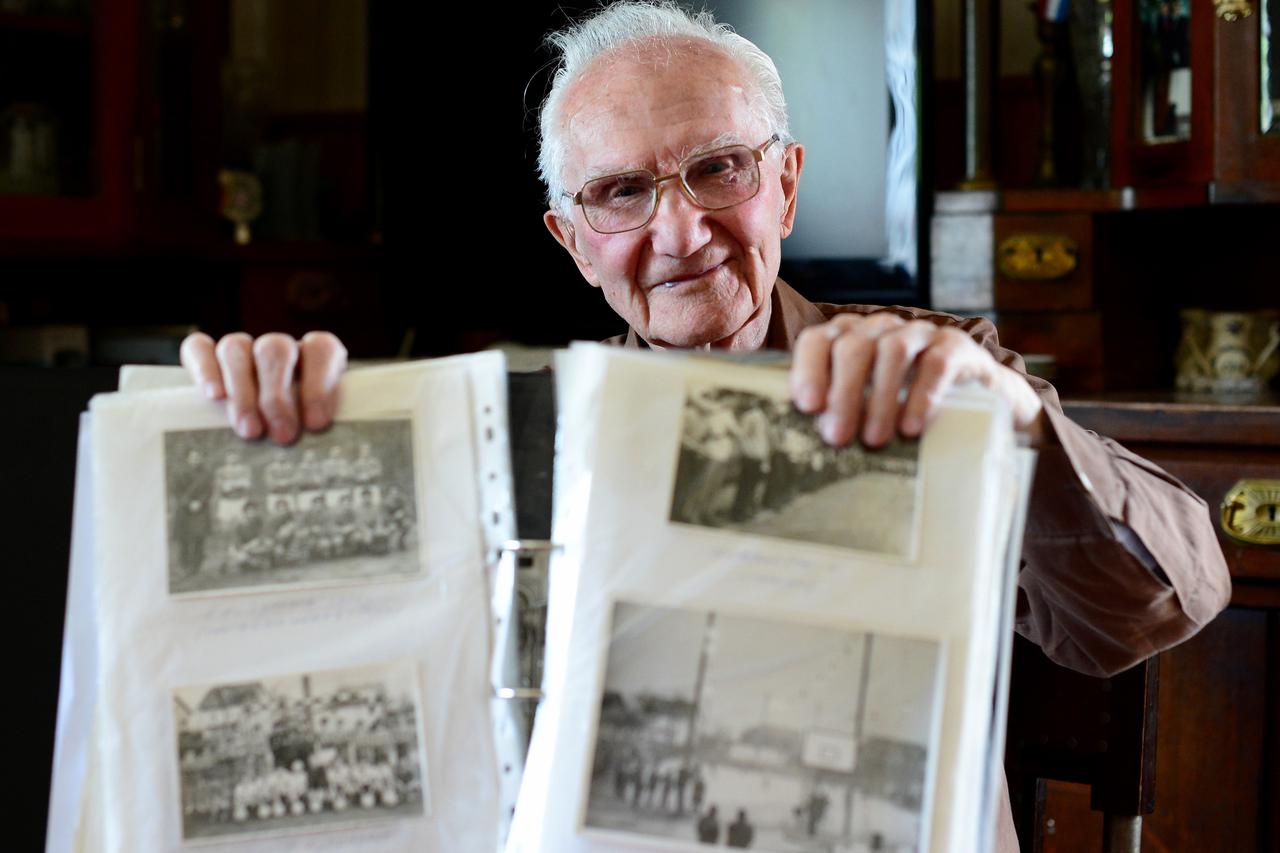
316	415
248	426
873	435
829	427
808	398
911	425
283	431
210	390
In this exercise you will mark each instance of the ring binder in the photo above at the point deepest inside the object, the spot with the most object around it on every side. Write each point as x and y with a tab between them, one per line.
527	546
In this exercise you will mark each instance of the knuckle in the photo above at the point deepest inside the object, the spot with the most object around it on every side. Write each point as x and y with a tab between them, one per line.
274	346
886	320
233	343
935	359
196	340
812	336
956	338
894	346
807	334
848	347
324	341
921	328
274	403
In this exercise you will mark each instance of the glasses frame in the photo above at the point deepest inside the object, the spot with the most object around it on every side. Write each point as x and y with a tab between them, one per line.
757	155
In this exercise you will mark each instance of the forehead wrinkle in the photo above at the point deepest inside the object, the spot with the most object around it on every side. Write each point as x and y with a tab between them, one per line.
605	89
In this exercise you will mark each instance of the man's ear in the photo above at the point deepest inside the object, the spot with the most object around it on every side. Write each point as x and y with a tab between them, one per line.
792	163
561	227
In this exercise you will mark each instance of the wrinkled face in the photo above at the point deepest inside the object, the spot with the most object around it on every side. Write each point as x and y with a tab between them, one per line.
691	277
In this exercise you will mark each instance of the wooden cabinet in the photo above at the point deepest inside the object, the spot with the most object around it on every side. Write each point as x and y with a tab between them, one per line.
74	75
1221	148
1218	745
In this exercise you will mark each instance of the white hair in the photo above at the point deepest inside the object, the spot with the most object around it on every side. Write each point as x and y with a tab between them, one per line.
639	21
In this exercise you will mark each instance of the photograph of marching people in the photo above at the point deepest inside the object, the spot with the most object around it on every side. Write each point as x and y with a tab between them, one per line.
335	506
736	731
299	753
753	463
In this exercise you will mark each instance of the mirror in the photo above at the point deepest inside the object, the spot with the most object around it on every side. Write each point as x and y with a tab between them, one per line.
1165	62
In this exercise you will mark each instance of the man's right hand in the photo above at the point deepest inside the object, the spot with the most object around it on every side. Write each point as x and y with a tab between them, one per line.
257	379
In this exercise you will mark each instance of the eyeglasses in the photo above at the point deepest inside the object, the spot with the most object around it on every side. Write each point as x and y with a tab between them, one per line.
713	180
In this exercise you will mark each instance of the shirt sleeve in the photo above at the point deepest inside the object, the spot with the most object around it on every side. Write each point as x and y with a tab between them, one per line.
1120	559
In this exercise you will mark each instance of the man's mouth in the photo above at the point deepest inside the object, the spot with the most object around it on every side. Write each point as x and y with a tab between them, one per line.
676	281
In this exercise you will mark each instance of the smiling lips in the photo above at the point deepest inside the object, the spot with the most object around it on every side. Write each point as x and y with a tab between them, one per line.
675	280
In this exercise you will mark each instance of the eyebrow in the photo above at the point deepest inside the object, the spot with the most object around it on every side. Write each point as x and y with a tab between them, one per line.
721	141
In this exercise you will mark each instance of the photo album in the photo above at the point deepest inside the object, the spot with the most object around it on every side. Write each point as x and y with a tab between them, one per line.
291	646
740	636
759	641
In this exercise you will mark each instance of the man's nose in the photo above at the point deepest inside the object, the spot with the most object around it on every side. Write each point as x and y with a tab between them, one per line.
679	227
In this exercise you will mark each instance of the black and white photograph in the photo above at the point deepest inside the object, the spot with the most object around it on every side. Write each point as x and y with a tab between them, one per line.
299	753
753	463
337	506
724	730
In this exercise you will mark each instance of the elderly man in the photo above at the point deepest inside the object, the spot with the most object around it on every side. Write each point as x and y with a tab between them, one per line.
672	181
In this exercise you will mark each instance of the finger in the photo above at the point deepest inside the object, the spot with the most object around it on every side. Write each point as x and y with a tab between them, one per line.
937	370
811	356
198	357
276	356
235	357
896	352
851	358
811	368
323	359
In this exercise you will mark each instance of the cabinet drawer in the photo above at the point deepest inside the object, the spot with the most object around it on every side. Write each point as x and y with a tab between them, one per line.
1043	262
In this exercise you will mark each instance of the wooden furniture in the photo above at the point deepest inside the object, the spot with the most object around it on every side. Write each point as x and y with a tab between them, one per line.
1217	779
1098	732
78	67
1225	156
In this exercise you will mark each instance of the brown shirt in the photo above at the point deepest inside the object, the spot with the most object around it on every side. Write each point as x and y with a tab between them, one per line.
1119	559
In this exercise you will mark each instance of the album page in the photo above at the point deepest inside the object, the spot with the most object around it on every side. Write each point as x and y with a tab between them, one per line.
294	642
756	640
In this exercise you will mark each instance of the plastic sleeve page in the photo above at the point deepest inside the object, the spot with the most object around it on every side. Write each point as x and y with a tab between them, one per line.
1022	467
295	641
766	638
79	672
578	375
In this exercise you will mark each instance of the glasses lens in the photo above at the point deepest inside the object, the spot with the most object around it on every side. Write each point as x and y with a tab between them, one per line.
722	178
618	202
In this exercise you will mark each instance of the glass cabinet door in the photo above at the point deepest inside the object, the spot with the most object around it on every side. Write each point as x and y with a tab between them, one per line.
1165	70
46	98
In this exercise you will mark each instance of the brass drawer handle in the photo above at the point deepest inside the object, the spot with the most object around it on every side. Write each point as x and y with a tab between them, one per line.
1251	512
1037	257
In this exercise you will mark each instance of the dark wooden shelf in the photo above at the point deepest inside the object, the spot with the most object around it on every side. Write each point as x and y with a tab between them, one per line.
70	25
211	248
1170	417
1050	200
1244	192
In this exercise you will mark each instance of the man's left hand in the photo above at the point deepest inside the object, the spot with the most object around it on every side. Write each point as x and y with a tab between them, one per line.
850	370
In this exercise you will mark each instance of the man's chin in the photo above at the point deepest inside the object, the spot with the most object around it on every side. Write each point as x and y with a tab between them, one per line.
719	336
